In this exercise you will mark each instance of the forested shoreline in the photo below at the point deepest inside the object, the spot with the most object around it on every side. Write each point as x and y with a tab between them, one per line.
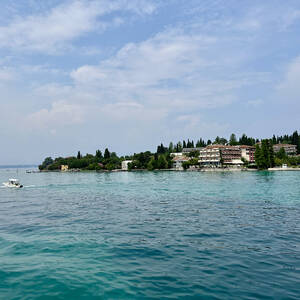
163	158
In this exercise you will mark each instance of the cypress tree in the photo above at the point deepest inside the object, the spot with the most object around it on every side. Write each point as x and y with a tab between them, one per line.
271	154
258	157
296	141
106	154
232	140
265	154
98	154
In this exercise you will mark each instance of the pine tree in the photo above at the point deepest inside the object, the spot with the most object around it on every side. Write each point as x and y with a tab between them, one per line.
79	156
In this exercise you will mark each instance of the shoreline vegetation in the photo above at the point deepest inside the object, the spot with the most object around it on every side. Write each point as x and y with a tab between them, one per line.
266	154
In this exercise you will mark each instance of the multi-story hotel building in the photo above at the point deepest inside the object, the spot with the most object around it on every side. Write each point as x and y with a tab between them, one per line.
248	153
288	148
210	156
215	155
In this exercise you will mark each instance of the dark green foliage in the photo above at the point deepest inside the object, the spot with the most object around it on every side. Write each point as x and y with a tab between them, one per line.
106	154
271	154
140	160
194	154
264	155
221	141
162	162
88	162
258	157
151	164
99	155
47	161
161	149
178	147
232	140
201	143
189	163
281	154
244	140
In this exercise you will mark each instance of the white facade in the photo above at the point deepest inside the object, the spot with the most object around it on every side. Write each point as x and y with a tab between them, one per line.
176	154
210	156
125	164
178	160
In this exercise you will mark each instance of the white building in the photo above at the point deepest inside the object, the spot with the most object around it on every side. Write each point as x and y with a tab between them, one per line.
178	160
125	164
210	156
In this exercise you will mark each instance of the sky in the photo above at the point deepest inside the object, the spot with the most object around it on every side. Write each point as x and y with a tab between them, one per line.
130	74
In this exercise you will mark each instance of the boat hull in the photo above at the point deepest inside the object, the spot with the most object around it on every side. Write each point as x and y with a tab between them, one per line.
9	185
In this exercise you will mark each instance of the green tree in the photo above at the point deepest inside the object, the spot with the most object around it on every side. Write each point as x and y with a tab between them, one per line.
79	156
271	155
233	140
47	162
99	155
106	154
151	164
265	154
258	157
194	153
162	162
281	154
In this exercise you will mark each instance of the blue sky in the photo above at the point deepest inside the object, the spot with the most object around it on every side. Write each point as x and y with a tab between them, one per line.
129	74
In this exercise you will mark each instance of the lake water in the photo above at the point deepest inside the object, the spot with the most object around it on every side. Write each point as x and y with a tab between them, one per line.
150	235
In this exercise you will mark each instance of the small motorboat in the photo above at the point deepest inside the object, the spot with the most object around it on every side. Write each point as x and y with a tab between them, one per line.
13	183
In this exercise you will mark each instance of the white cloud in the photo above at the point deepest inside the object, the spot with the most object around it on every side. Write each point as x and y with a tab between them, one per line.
60	114
173	70
289	88
51	31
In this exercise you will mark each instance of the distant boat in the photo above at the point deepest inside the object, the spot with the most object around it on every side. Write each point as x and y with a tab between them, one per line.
14	183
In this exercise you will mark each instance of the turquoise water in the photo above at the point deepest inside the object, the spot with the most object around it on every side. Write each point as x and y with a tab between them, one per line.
159	235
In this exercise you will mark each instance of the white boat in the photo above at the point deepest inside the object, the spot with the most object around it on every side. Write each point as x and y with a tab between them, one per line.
13	183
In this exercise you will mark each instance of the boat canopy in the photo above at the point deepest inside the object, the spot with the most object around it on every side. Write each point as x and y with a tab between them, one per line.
13	180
